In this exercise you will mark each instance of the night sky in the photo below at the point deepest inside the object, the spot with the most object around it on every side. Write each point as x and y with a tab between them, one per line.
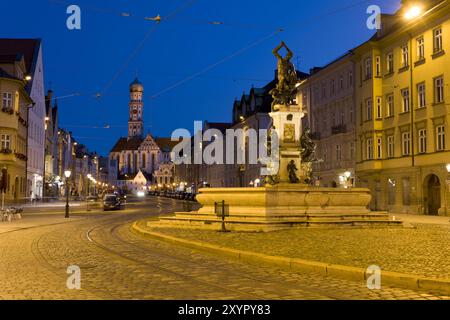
219	60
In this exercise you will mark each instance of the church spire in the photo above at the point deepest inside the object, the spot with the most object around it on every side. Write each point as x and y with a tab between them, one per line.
135	122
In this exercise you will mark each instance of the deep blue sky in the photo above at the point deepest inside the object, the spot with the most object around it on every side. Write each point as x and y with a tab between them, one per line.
87	61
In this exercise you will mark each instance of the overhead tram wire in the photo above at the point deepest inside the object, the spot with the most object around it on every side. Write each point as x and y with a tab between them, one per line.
141	44
254	26
198	74
204	70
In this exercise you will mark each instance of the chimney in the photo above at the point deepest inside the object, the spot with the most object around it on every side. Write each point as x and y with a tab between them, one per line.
49	95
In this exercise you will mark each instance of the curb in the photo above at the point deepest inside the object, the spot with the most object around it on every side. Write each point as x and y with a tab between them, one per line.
401	280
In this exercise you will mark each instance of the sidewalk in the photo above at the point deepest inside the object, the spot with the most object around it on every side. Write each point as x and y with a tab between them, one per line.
421	219
32	220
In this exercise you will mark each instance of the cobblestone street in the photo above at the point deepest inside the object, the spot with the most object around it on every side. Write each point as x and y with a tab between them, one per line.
117	264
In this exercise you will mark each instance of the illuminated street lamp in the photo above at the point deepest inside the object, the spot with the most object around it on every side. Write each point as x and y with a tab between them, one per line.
448	168
413	12
67	174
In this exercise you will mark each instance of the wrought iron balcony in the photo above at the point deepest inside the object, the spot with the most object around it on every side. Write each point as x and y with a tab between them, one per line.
342	128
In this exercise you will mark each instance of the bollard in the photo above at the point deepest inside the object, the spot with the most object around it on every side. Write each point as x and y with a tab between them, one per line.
221	212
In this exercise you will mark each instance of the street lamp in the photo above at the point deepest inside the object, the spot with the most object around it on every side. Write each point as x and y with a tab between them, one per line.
67	174
413	12
448	168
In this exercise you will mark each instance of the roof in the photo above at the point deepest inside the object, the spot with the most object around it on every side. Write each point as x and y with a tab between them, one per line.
127	144
10	58
27	47
4	74
136	85
166	144
147	176
221	126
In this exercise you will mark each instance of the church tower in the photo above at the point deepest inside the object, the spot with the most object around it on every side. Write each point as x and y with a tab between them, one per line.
135	123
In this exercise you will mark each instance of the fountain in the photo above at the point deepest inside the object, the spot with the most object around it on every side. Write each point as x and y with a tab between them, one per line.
287	198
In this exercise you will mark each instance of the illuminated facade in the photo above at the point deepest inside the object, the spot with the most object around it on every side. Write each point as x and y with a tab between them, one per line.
15	103
137	154
403	114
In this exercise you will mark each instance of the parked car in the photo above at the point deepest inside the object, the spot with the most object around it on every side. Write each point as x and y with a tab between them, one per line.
112	202
92	198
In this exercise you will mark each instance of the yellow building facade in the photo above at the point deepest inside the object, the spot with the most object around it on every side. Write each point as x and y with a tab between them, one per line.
402	99
15	103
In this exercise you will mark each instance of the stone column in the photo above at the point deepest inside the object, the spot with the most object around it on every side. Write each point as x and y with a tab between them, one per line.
287	124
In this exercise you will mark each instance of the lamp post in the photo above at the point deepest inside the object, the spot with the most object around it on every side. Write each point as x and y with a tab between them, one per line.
89	177
67	174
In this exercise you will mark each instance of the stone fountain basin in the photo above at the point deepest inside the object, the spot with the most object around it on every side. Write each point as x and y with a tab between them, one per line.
288	199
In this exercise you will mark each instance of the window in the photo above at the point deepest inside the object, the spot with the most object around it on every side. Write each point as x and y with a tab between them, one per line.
437	40
421	102
439	90
379	148
350	78
422	141
7	100
378	66
368	68
6	141
338	152
440	138
390	146
341	82
420	48
324	90
405	100
352	151
406	140
405	56
378	108
369	153
369	111
390	105
389	62
332	85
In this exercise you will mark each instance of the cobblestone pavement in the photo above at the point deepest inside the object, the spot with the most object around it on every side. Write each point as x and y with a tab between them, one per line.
117	264
423	250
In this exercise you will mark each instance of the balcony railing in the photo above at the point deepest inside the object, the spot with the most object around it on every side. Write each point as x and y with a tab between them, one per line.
342	128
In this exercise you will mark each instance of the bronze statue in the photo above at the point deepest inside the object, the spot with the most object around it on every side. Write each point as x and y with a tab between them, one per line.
308	152
285	91
292	170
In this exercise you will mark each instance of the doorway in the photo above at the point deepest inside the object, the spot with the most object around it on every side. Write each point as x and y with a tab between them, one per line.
432	194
